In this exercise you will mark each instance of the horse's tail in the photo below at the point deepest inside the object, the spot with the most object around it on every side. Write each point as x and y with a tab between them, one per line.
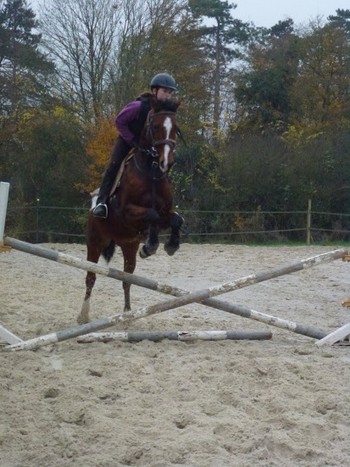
108	252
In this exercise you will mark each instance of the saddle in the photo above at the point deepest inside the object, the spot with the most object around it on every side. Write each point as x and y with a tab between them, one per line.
118	177
94	194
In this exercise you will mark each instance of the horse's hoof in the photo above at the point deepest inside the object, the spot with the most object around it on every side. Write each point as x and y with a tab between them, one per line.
83	317
171	250
82	320
148	250
144	252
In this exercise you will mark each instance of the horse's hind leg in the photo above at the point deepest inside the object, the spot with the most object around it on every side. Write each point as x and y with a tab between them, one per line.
93	255
129	253
173	244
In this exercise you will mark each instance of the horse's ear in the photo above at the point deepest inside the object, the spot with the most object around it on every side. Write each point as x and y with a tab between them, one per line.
180	135
170	105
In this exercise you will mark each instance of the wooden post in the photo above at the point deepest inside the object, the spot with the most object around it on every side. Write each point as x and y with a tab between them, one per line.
308	223
4	194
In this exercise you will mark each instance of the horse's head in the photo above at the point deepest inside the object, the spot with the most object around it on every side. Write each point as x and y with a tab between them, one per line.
161	130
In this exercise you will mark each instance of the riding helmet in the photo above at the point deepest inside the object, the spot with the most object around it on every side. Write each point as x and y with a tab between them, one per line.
163	80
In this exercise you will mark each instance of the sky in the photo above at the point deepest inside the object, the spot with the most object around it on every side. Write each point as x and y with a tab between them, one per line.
268	12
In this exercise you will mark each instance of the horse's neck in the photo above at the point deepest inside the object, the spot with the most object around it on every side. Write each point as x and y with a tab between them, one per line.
147	165
143	159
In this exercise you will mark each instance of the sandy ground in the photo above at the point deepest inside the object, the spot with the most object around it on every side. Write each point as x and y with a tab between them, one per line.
281	402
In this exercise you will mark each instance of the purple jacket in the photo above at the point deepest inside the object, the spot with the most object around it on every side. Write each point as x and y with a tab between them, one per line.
126	116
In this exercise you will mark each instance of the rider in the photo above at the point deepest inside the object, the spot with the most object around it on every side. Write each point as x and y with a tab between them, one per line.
130	122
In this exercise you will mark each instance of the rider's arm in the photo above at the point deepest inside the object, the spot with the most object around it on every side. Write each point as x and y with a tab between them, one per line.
127	115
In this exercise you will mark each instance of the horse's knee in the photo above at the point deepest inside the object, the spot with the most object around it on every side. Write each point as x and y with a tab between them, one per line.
176	221
152	216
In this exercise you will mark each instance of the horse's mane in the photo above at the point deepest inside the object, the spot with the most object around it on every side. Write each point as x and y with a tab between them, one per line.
169	105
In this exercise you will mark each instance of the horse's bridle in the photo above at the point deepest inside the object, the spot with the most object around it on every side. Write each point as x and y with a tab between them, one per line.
161	142
151	149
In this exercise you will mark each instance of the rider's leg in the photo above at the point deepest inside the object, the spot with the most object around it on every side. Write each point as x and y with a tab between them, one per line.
119	153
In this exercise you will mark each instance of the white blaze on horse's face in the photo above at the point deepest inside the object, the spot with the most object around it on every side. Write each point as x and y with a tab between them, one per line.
167	126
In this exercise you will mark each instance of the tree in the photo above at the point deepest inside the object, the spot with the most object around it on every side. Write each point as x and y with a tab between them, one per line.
263	88
53	159
23	68
294	91
24	73
99	146
220	37
321	91
341	20
80	36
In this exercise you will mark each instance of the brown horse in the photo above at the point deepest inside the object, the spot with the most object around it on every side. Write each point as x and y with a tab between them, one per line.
142	205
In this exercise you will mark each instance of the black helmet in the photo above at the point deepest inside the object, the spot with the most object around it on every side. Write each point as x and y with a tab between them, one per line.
163	80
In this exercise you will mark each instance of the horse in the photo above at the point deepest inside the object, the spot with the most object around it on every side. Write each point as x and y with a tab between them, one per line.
142	205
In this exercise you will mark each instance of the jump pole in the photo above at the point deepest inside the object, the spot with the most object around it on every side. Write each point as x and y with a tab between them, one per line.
204	296
151	284
186	336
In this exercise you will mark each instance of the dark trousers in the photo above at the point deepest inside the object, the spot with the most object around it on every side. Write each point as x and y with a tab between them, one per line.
119	153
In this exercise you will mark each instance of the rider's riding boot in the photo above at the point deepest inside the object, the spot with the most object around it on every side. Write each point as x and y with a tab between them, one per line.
101	208
118	155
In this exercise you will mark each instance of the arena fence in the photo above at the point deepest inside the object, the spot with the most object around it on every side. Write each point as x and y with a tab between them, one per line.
53	224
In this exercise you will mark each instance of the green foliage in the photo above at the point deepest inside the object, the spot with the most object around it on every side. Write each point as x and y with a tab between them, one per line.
50	160
23	68
256	173
264	91
341	20
222	42
322	169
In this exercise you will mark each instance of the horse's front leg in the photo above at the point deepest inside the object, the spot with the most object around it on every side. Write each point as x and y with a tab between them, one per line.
93	255
152	241
147	218
129	251
173	244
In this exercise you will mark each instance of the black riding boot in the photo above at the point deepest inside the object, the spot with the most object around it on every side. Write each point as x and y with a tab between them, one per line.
119	153
101	209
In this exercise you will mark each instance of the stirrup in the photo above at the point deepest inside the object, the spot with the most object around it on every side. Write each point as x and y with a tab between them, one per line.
101	211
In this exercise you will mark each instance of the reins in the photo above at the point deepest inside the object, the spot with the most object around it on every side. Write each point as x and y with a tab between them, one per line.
154	165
